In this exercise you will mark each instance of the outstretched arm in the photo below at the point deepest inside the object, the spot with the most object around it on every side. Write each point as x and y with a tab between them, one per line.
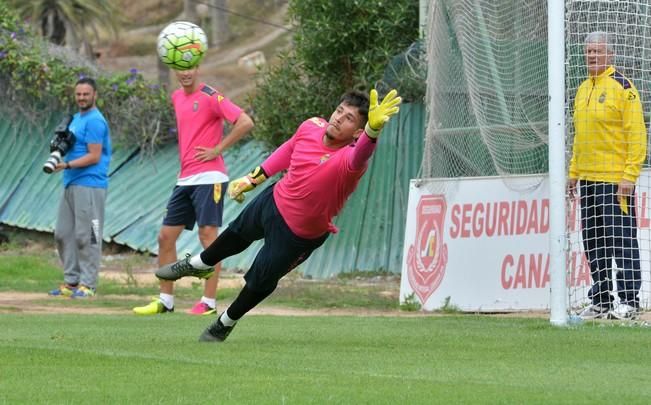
362	152
378	115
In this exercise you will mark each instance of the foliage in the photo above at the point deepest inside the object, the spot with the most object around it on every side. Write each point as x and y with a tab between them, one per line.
42	82
285	97
411	303
365	275
334	294
79	16
448	307
351	41
339	45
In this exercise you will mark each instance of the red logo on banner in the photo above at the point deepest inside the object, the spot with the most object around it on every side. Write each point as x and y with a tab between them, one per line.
427	258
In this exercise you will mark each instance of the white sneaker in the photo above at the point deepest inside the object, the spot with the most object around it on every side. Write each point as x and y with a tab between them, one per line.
625	311
594	312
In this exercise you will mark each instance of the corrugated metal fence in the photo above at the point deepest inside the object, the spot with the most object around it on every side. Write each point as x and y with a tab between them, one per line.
371	225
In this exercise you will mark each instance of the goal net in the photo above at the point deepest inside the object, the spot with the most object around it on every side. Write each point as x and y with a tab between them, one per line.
487	88
487	98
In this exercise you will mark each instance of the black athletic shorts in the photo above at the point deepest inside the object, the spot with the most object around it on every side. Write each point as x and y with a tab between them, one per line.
282	250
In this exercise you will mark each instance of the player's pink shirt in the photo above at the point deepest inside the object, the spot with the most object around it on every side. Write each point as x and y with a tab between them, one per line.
200	122
319	179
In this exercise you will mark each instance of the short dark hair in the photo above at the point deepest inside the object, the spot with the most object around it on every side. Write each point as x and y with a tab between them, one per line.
87	80
355	98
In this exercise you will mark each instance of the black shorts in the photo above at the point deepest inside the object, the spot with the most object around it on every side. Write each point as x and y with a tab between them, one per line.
282	250
202	203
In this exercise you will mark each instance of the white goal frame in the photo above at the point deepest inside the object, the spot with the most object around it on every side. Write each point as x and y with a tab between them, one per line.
557	170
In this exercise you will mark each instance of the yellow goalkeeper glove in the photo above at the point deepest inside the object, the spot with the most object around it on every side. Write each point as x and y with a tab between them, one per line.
379	114
237	188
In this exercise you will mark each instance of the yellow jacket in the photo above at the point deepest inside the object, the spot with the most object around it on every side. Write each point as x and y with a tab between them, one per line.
610	136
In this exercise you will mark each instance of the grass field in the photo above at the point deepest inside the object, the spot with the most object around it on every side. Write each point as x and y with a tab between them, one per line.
352	360
393	357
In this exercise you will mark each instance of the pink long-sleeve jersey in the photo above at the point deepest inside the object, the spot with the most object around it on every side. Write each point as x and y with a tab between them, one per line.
319	179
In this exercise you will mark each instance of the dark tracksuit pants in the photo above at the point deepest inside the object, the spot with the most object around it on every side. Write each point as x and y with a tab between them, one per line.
608	233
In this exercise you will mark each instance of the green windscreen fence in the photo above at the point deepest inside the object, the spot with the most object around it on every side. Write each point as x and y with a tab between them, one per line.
371	225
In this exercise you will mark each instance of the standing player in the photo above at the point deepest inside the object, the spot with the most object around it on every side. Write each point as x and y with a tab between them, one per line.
324	161
198	195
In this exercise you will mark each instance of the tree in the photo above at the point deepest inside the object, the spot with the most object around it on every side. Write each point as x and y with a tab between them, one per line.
70	22
339	45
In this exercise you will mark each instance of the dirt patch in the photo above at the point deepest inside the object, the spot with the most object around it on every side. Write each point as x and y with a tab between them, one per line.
147	277
33	303
40	303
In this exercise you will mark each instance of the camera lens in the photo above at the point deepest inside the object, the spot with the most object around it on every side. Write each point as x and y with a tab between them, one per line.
51	163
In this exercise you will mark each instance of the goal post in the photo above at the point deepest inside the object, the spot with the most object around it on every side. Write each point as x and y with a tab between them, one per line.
556	121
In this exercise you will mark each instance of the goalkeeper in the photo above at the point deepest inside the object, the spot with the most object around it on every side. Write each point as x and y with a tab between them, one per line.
324	161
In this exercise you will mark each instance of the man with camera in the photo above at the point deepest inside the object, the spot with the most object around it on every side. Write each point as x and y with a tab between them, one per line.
85	148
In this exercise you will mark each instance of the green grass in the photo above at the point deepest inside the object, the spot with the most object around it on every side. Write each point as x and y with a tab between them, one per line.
297	293
28	273
451	358
39	271
446	359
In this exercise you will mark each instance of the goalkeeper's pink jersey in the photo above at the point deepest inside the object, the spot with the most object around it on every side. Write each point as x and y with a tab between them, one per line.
319	179
200	122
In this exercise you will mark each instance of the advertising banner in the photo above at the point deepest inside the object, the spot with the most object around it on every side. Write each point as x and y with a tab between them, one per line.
482	244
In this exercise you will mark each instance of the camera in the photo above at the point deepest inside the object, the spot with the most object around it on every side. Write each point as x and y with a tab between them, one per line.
60	144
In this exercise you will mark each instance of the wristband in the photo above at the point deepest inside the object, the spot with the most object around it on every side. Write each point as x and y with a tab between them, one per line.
68	165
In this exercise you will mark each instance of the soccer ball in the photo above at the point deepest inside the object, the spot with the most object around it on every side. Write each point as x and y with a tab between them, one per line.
181	45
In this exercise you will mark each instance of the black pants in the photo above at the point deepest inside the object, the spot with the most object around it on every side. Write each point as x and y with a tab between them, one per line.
282	250
608	233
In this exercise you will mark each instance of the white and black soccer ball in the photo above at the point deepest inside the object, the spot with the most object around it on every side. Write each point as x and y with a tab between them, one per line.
182	45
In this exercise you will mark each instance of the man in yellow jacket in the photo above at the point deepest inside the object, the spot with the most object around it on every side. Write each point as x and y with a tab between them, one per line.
609	149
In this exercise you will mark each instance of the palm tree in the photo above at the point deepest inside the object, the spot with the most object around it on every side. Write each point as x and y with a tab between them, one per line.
70	22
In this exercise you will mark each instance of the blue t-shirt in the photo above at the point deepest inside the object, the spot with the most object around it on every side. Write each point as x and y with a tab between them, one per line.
89	127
